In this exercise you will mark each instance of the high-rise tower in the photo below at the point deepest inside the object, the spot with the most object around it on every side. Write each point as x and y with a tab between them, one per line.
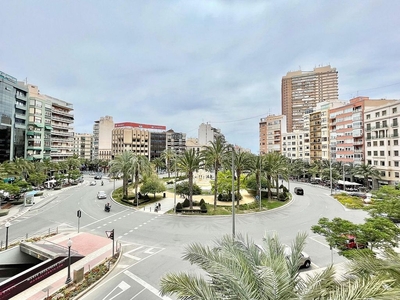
302	90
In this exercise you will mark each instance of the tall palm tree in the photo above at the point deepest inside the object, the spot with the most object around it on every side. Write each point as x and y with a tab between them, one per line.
141	167
20	167
236	268
275	166
73	164
242	163
255	167
168	155
214	154
189	162
123	164
366	171
158	163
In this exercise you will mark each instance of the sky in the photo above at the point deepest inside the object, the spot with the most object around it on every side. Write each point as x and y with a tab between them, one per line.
183	63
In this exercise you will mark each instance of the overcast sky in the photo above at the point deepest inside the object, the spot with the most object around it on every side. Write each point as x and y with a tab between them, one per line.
181	63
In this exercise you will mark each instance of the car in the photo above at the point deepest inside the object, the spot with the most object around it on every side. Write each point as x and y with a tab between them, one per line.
298	191
305	259
101	195
97	176
93	183
351	243
357	194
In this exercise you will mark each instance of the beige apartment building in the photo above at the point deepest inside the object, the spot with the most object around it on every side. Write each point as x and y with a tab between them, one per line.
136	140
102	138
271	129
176	141
382	142
293	145
347	129
302	90
83	145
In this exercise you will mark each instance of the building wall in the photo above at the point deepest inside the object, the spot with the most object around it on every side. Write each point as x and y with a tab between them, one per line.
158	144
293	145
83	145
302	90
135	140
208	134
382	141
270	133
102	138
13	120
176	141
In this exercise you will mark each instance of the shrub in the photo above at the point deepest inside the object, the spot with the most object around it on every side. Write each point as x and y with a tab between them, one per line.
219	197
282	196
203	208
39	194
202	202
186	203
178	207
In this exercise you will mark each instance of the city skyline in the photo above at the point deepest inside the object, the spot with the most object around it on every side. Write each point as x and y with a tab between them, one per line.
181	63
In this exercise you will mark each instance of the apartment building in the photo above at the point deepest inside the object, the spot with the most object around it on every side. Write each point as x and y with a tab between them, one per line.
208	134
102	138
158	144
382	150
136	140
302	90
347	129
13	120
271	129
293	145
83	145
176	141
50	130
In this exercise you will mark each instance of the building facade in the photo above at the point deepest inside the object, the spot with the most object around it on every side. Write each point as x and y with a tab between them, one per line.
83	145
102	138
208	134
13	119
302	90
271	129
176	141
382	150
130	139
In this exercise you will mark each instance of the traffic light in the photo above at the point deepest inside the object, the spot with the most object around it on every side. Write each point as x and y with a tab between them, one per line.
112	234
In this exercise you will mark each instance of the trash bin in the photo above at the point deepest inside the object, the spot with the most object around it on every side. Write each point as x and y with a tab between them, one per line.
164	195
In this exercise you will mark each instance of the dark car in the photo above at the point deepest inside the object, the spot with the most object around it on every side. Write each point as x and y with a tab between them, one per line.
97	177
298	191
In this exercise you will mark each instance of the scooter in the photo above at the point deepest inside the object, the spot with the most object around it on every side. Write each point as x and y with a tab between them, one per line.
102	183
107	208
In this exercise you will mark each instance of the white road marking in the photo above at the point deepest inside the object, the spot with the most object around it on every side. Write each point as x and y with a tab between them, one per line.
123	286
145	284
148	251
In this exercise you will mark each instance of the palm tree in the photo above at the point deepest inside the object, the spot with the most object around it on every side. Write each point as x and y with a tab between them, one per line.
168	155
236	268
366	171
256	163
275	165
141	167
241	162
189	163
72	164
214	154
20	167
123	164
158	163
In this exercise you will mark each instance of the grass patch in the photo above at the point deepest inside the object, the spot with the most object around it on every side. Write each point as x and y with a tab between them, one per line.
348	201
117	196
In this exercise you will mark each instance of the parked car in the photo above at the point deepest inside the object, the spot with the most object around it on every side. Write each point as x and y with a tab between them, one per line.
93	183
305	259
298	191
101	195
351	243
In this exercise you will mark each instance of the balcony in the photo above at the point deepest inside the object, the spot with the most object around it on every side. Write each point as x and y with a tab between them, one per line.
395	124
368	128
65	120
62	113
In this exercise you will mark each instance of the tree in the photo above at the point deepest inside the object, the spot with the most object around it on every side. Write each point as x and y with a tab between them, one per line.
386	203
236	268
366	171
141	167
189	163
183	189
256	168
168	155
225	182
379	232
152	185
214	154
123	164
158	164
275	166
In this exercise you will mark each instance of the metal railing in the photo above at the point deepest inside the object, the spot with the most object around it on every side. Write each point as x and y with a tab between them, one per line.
28	236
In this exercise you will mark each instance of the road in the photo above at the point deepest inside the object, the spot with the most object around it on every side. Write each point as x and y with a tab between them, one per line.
153	244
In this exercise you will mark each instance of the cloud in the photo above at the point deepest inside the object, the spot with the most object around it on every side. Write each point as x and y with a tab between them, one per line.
181	63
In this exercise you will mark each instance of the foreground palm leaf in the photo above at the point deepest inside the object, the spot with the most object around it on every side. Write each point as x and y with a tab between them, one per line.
238	269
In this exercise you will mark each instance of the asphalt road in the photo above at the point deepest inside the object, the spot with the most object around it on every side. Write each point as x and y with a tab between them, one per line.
153	243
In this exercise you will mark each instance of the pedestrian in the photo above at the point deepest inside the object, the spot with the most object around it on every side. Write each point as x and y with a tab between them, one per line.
159	206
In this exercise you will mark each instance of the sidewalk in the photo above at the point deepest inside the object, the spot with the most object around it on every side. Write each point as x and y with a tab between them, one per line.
95	249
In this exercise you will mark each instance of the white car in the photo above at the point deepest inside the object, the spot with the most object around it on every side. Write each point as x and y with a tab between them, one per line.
101	195
93	183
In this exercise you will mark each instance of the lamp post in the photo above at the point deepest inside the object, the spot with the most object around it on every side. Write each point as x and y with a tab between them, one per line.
7	225
259	179
233	192
69	244
344	181
176	175
330	172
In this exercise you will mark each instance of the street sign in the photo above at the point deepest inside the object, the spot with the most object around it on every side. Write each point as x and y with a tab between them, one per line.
110	234
79	213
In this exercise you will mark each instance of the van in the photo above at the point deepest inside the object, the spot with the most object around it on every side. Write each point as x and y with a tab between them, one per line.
298	191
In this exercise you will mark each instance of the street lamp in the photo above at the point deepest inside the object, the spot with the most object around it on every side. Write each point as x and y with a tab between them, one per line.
69	244
233	192
8	224
176	175
344	182
330	172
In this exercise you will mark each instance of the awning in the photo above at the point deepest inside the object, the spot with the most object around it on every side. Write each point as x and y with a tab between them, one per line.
39	125
348	182
48	127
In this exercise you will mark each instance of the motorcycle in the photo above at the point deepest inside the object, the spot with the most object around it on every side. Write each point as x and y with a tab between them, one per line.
107	208
102	183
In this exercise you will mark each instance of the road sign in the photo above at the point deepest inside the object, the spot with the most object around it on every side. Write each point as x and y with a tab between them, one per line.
79	213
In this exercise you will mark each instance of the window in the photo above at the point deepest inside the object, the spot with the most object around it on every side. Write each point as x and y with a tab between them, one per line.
395	132
381	143
396	153
375	143
368	116
396	174
384	124
396	142
383	112
369	153
375	163
396	163
394	110
382	153
389	154
375	153
377	114
382	163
